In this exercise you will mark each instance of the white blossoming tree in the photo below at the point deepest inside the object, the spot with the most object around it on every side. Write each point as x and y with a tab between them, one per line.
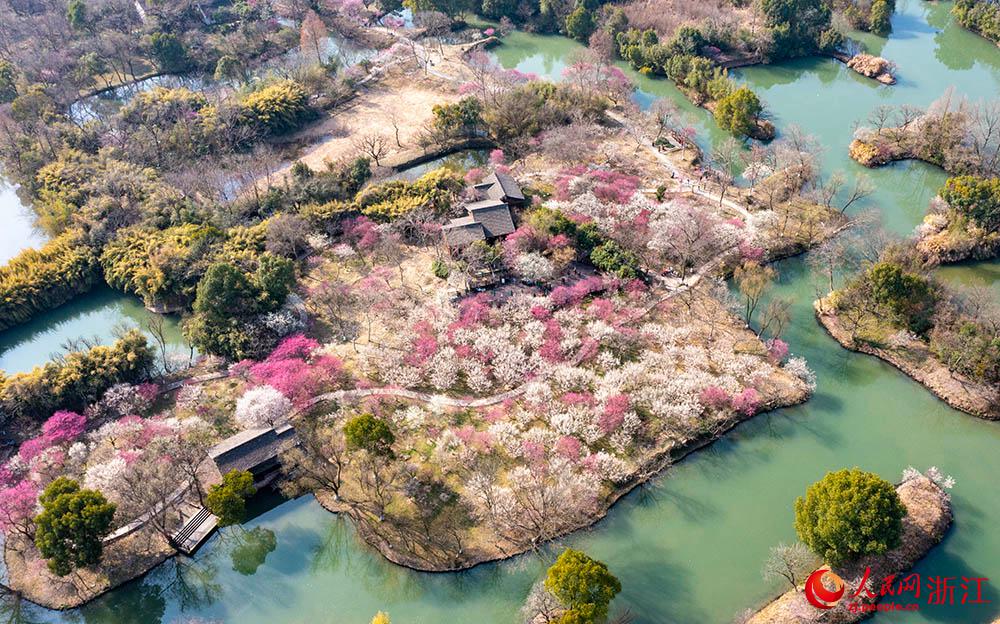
262	406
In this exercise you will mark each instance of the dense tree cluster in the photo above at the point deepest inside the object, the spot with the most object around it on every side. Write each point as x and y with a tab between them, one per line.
38	280
737	109
979	16
78	379
894	302
893	292
230	303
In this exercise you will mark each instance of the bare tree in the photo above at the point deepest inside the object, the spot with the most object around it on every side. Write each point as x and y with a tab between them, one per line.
863	187
828	191
798	153
374	145
317	463
286	235
394	120
791	562
662	115
754	281
880	117
727	157
313	34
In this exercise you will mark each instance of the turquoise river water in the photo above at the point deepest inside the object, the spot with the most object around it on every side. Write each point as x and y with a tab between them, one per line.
689	548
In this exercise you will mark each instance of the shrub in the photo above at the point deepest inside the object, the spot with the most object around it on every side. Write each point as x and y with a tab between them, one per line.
612	258
38	280
278	108
849	514
440	269
463	118
390	200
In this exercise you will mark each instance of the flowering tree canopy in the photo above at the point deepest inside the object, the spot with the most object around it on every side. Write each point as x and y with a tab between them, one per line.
263	406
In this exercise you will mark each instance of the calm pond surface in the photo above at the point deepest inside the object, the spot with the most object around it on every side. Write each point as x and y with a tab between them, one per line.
465	159
333	47
689	549
96	316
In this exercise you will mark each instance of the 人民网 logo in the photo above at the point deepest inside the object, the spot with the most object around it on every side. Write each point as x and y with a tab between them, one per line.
818	595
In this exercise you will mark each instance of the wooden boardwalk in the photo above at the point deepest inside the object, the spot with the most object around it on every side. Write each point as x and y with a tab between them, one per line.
195	530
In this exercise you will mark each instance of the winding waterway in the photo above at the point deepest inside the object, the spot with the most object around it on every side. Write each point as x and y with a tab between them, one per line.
689	549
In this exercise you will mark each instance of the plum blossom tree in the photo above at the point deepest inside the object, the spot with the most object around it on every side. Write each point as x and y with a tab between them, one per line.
63	427
17	509
686	234
293	370
746	402
596	78
263	406
538	503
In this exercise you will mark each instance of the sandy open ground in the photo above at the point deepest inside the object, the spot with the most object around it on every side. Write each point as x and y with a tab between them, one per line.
406	97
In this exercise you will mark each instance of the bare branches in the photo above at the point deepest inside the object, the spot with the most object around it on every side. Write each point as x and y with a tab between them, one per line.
374	145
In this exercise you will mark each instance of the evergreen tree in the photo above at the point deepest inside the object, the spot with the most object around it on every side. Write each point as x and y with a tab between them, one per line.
72	525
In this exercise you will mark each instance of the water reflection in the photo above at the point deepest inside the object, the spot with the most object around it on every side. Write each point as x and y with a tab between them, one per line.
97	316
251	548
465	159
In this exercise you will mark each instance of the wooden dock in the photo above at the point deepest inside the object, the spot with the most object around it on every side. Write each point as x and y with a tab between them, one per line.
195	530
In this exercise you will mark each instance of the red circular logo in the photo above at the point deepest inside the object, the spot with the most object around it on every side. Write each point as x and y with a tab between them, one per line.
818	595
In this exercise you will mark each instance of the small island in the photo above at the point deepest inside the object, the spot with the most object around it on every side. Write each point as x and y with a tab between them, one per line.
946	340
927	515
951	133
963	222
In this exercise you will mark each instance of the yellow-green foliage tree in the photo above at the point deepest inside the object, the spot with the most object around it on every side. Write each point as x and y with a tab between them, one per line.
390	200
98	193
849	514
277	108
161	266
739	111
79	379
39	280
583	585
